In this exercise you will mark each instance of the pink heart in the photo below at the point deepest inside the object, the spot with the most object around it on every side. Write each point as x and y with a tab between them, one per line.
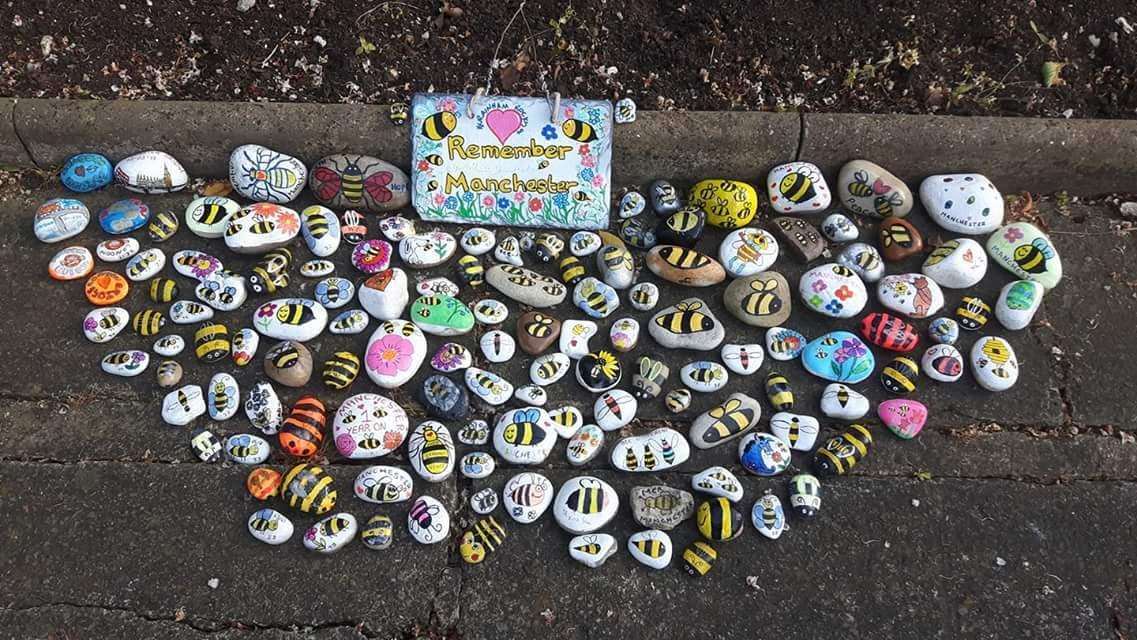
503	123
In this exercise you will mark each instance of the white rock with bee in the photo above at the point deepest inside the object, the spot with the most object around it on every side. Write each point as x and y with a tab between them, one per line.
532	395
624	334
488	386
651	548
425	250
549	368
657	450
704	376
209	215
593	549
381	484
614	409
476	465
126	364
222	290
508	251
245	448
368	425
478	241
484	501
104	323
743	359
474	432
625	111
527	496
169	346
843	403
631	205
261	174
270	526
839	228
320	227
798	431
718	481
349	322
431	451
584	243
585	504
798	187
574	337
584	445
261	227
497	346
644	296
151	172
297	319
567	420
181	406
331	533
428	521
145	265
993	363
490	312
524	436
223	397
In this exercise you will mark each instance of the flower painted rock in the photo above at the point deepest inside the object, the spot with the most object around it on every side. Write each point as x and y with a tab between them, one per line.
903	417
395	228
805	241
550	368
797	187
208	216
962	202
624	334
889	332
86	172
368	425
394	353
425	250
843	403
768	516
182	406
261	174
663	448
651	548
444	399
717	481
244	347
743	359
196	264
661	507
371	256
381	484
59	219
126	364
385	294
451	357
688	324
1018	301
664	197
942	363
862	259
270	526
683	227
868	189
488	386
378	532
838	356
223	397
352	181
442	315
729	204
1024	250
524	436
585	504
912	294
103	324
704	376
832	290
331	533
263	408
684	266
748	251
763	454
296	319
595	298
527	496
614	261
490	312
431	451
956	264
899	239
798	431
478	241
245	448
261	227
150	172
476	465
526	286
725	421
597	371
993	363
497	346
584	445
428	521
784	344
574	337
116	249
761	300
124	216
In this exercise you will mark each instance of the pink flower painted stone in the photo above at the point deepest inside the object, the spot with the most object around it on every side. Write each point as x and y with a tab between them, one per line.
903	417
394	353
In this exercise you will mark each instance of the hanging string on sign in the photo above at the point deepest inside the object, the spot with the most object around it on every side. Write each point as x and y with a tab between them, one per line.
554	98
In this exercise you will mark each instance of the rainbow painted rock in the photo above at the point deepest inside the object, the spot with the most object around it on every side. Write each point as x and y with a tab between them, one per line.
838	356
903	417
86	172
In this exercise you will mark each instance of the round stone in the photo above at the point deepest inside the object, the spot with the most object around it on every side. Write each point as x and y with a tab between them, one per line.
943	331
899	239
72	263
536	331
444	399
664	197
167	346
837	227
900	375
956	264
223	396
729	204
833	290
259	173
371	256
624	334
658	450
584	243
145	265
381	484
748	251
270	526
614	409
597	371
59	219
704	376
317	268
942	363
632	204
993	363
116	249
196	264
476	465
497	346
245	343
625	111
962	202
524	436
478	241
718	520
868	189
86	172
585	504
526	496
451	357
644	296
678	400
428	521
761	300
689	324
797	187
763	454
1018	301
549	368
385	294
431	451
103	324
889	332
368	425
123	216
784	344
378	532
484	501
169	373
743	359
490	311
208	216
637	233
394	353
912	294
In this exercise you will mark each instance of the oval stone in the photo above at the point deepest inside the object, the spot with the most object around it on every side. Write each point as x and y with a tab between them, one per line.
833	290
394	353
443	398
704	376
72	263
651	548
208	216
116	249
1018	301
798	431
437	287
797	187
912	294
263	408
490	312
843	403
331	533
223	397
760	300
395	228
864	260
584	445
717	481
181	406
477	241
349	322
484	501
59	219
526	496
768	516
321	230
169	346
838	356
524	436
270	526
476	465
632	204
296	319
186	312
126	364
889	332
943	331
614	261
663	448
490	387
124	216
729	204
899	239
942	363
151	172
745	252
431	451
222	290
595	298
289	363
550	368
584	243
145	265
245	343
196	264
497	346
837	227
743	359
428	521
660	506
86	172
261	227
664	197
725	421
690	324
585	504
868	189
102	325
245	448
763	454
684	266
1024	250
425	250
262	174
371	256
962	202
368	425
993	363
784	344
644	296
353	181
624	334
383	485
614	408
526	286
508	251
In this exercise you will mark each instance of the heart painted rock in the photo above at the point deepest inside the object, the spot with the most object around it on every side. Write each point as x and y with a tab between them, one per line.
843	403
595	298
748	251
150	172
962	202
729	204
261	227
838	356
1018	301
942	363
725	421
993	363
802	238
490	387
899	239
59	219
688	324
797	187
889	332
261	174
760	300
903	417
585	504
912	294
124	216
956	264
394	353
663	448
86	172
614	261
536	331
426	250
296	319
431	451
442	315
385	294
526	286
868	189
864	260
832	290
368	425
524	436
1024	250
684	266
366	183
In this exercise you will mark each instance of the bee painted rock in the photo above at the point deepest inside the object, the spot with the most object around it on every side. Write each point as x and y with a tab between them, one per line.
805	495
442	315
644	296
349	322
352	181
223	397
261	174
683	227
246	448
617	268
437	287
572	270
481	540
704	376
86	172
837	227
585	504
625	111
729	204
993	363
784	344
595	298
636	233
169	346
903	417
536	331
1018	301
205	445
508	251
661	507
451	357
684	266
1024	250
717	481
942	363
664	197
169	374
261	227
183	405
321	230
899	239
163	290
488	386
650	375
548	246
632	204
395	228
677	400
353	227
398	114
748	251
371	256
394	353
584	445
574	337
244	346
779	392
843	403
725	421
624	334
688	324
943	331
378	532
196	264
718	520
368	425
477	241
550	368
592	550
103	324
962	202
838	356
497	346
289	363
476	465
796	430
72	263
385	295
797	187
889	332
223	291
444	399
864	260
425	250
270	273
763	454
331	533
383	485
698	558
59	219
912	294
566	420
317	268
833	290
340	370
900	376
868	189
474	432
145	265
524	436
147	322
263	408
663	448
471	271
525	286
484	501
614	409
431	451
270	526
584	243
842	452
768	516
490	312
162	227
972	313
526	497
651	548
761	300
596	372
956	264
116	249
150	172
428	521
302	432
207	217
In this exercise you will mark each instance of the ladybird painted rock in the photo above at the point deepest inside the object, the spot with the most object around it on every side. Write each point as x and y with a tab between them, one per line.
151	172
123	216
302	432
726	421
353	181
832	290
763	454
263	483
899	239
889	332
805	495
72	263
428	521
261	174
208	216
956	264
59	219
912	294
729	204
524	436
843	451
331	533
868	189
526	496
309	488
768	516
1024	250
962	202
261	227
383	485
86	172
270	526
993	363
663	448
838	356
585	504
903	417
797	187
942	363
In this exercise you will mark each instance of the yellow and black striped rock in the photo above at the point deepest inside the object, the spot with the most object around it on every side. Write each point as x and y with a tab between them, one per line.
779	392
340	370
842	452
162	226
308	488
211	342
163	289
900	375
471	270
148	322
481	540
718	520
698	558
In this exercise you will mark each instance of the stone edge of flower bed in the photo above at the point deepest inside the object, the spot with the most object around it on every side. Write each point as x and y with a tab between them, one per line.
1085	157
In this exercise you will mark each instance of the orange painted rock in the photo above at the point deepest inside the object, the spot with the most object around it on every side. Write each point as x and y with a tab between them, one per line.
899	239
263	483
71	263
106	288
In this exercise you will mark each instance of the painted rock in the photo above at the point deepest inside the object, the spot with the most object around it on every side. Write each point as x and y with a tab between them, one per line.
842	452
59	219
169	346
1017	304
385	295
993	363
743	359
779	392
584	445
595	298
471	271
354	181
431	451
340	370
183	405
748	251
317	268
261	227
636	233
526	286
150	172
962	202
302	432
805	495
660	449
614	261
868	189
943	331
497	346
843	403
428	521
664	197
547	247
718	520
550	368
649	377
477	241
205	445
116	249
651	548
683	227
208	216
1027	252
763	454
566	420
72	263
596	372
903	417
536	331
684	266
644	296
688	324
163	225
147	322
584	243
942	363
729	204
725	421
163	290
368	425
263	408
574	337
451	357
833	290
381	484
972	313
488	386
263	483
661	507
524	436
196	264
442	315
102	325
797	187
862	259
321	230
900	375
768	516
717	481
444	399
476	465
798	431
490	311
704	376
425	250
631	205
378	532
244	347
526	497
309	488
761	300
145	265
289	363
169	373
899	239
625	111
296	319
245	448
223	291
677	400
124	216
592	550
508	251
911	294
838	356
784	344
395	228
889	332
394	353
371	256
223	397
585	504
474	432
801	237
482	539
956	264
259	173
350	322
271	271
614	409
837	227
86	172
484	501
270	527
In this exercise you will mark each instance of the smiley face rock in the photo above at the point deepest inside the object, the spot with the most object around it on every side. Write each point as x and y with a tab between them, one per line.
797	187
833	290
585	504
428	521
368	425
394	353
331	533
442	315
660	449
431	451
1024	250
383	485
993	363
763	454
224	397
270	526
526	497
524	436
261	227
962	202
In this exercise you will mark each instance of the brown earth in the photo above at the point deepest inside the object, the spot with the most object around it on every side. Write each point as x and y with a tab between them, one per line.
918	56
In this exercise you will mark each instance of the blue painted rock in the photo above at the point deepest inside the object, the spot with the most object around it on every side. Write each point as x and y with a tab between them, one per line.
151	172
124	216
59	219
838	356
943	331
365	183
763	454
86	172
261	174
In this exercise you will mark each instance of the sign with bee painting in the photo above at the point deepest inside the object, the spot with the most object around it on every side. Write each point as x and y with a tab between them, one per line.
511	161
